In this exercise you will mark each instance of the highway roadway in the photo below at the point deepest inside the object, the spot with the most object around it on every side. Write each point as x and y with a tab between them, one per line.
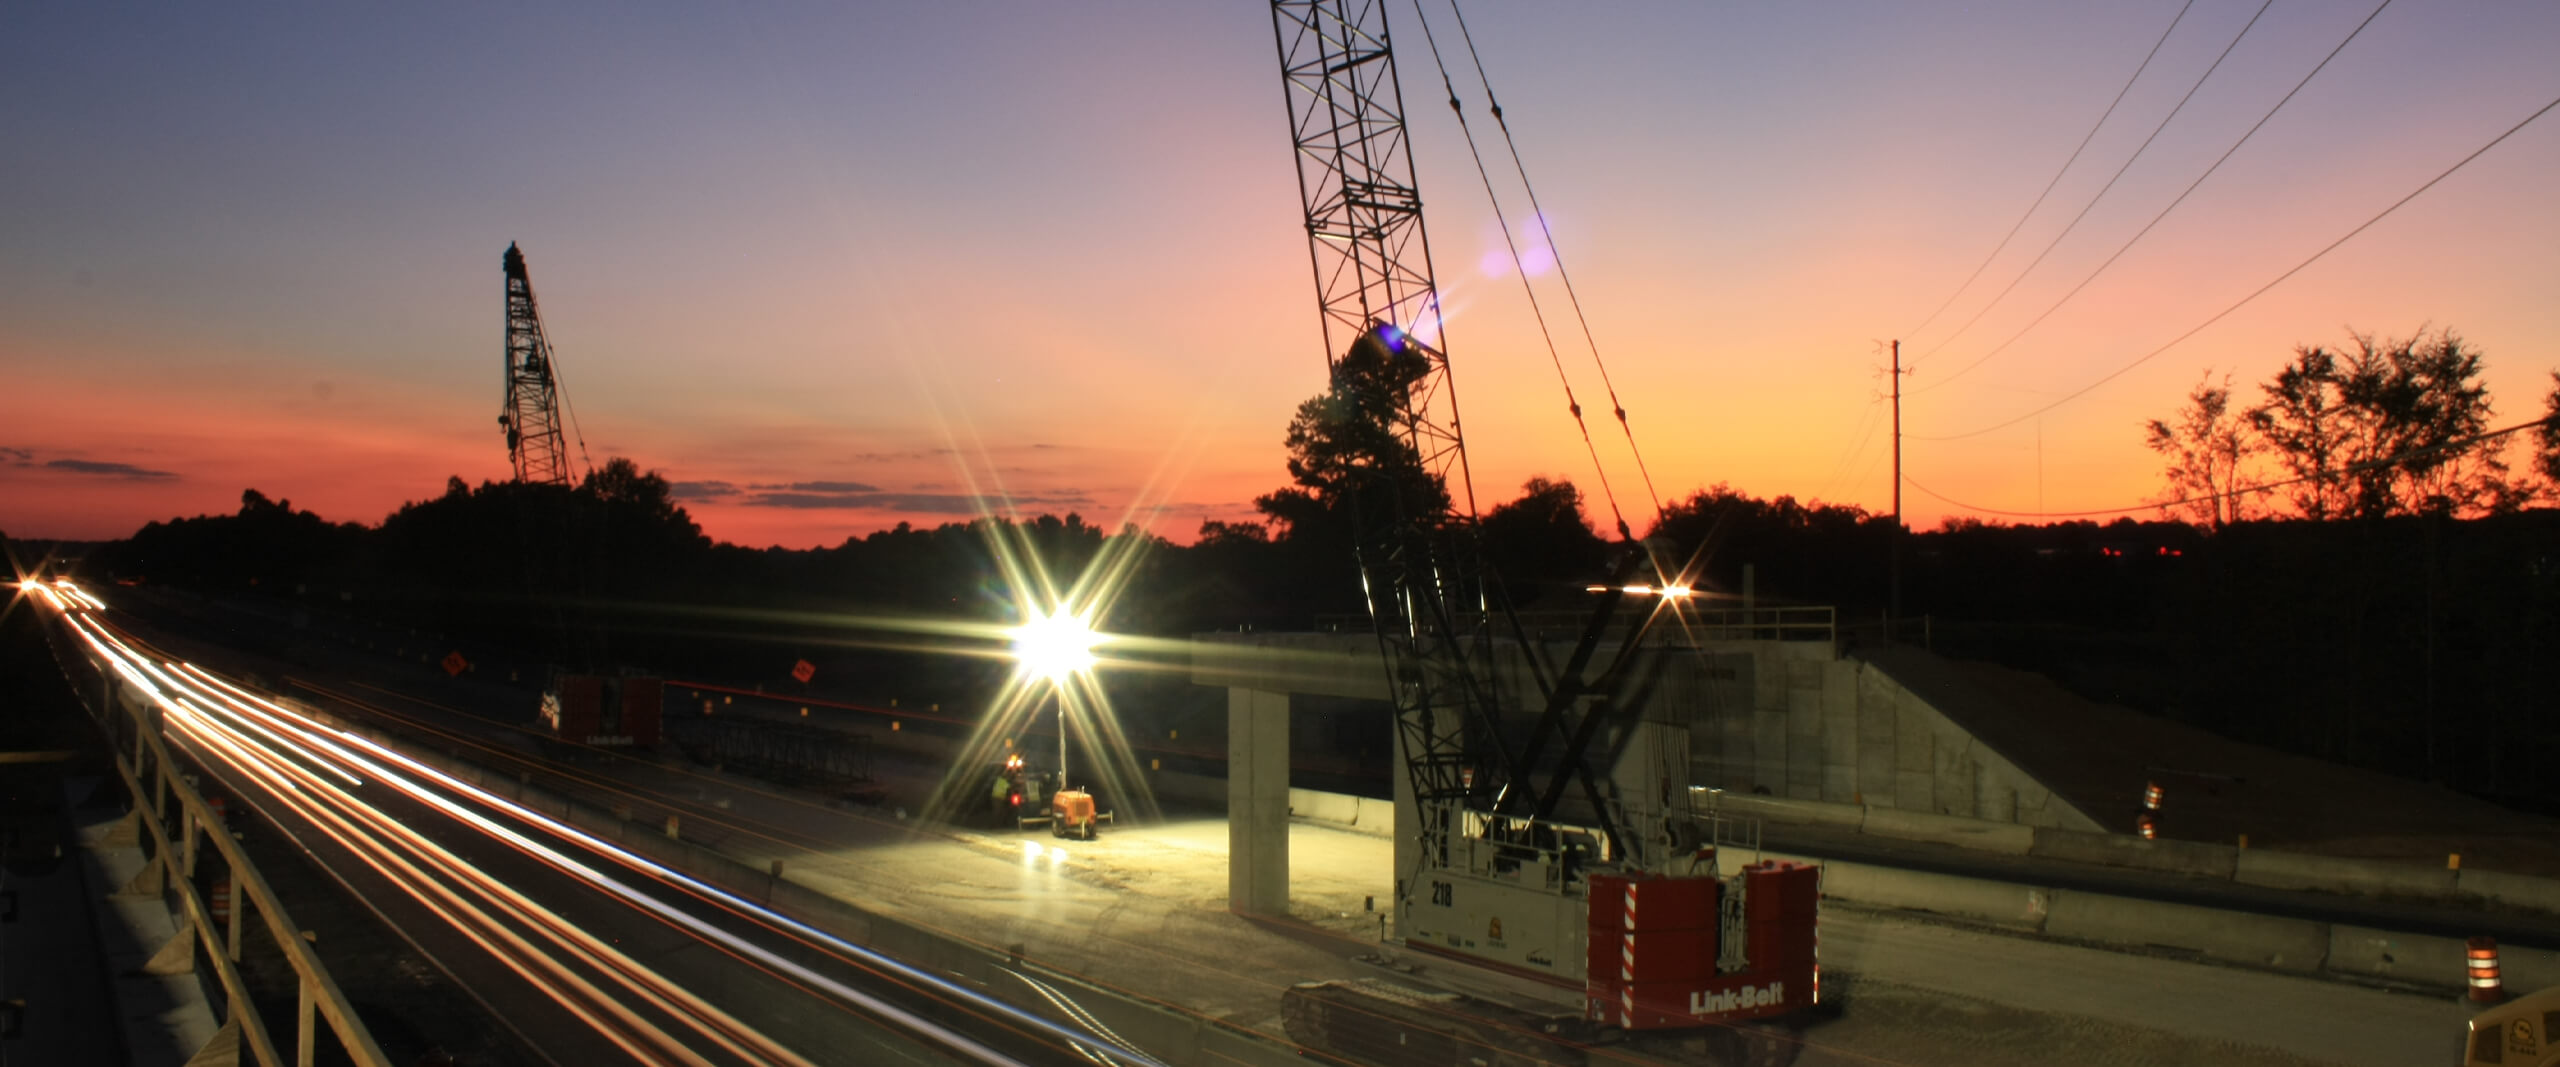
587	951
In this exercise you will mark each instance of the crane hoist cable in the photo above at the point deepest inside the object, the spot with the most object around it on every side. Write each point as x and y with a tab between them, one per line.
1572	403
570	406
1494	104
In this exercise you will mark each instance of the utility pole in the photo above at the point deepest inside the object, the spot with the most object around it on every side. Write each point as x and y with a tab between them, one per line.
1893	603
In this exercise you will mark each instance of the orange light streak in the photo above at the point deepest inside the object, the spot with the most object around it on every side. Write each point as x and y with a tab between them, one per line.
370	835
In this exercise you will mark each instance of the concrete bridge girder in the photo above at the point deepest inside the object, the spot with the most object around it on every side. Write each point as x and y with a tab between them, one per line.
1793	719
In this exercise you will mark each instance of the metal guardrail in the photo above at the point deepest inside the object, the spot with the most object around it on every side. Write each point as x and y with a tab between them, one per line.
142	756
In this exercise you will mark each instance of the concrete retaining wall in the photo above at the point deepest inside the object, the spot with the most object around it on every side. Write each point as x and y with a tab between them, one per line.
1980	900
2274	942
2510	890
1796	721
2002	837
2260	867
2125	850
2326	874
2229	936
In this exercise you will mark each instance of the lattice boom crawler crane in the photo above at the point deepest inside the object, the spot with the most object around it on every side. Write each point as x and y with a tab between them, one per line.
1622	926
532	415
581	708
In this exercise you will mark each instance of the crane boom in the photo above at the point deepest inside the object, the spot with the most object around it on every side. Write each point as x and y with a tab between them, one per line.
532	415
1380	308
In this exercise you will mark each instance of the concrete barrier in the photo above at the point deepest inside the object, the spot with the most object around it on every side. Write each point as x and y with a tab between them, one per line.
2510	890
2439	961
2005	838
2369	953
2525	970
1786	810
1342	811
2330	874
1377	817
2230	936
1337	808
1981	900
2125	850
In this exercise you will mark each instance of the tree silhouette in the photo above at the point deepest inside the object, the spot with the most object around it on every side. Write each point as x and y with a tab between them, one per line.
1540	544
2206	450
1346	448
2385	429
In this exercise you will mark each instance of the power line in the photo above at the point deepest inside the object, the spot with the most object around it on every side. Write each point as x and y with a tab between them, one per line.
1866	432
2057	175
2352	468
2173	204
2261	290
1540	214
2102	190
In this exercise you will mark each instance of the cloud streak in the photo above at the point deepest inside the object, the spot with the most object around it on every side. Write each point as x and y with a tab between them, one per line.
914	502
815	487
108	470
709	490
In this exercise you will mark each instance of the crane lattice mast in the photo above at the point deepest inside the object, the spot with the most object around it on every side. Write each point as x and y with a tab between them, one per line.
1364	217
532	415
1430	597
1374	286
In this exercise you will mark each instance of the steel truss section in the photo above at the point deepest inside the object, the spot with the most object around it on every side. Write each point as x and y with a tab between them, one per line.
1365	237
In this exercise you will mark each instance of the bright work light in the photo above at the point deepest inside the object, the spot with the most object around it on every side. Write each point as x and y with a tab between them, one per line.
1055	646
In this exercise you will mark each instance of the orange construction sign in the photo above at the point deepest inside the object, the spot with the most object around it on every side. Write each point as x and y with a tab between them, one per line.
803	671
454	664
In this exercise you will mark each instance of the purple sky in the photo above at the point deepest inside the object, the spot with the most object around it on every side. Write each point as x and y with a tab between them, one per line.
837	266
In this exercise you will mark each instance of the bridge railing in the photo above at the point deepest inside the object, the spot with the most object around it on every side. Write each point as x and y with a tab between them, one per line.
1692	625
173	823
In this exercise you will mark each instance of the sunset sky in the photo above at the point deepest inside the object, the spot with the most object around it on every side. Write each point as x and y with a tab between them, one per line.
836	266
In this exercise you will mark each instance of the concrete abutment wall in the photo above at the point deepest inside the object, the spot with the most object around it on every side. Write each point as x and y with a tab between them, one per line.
1790	719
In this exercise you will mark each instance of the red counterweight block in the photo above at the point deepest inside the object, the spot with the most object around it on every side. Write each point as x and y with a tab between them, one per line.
1648	930
1784	900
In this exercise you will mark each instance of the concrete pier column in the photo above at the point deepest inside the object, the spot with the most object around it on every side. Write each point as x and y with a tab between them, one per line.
1257	802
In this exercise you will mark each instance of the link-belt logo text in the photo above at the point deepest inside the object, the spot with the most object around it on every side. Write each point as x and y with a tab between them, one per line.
1702	1002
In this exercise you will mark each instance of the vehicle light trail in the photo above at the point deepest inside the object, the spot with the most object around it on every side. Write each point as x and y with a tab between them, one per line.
739	905
316	770
397	852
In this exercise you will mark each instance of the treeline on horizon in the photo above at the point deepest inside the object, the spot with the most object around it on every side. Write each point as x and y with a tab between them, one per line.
2418	644
2398	608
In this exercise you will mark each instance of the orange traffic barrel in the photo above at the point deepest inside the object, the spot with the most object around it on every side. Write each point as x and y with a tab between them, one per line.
2150	796
2145	825
2483	962
219	902
221	812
